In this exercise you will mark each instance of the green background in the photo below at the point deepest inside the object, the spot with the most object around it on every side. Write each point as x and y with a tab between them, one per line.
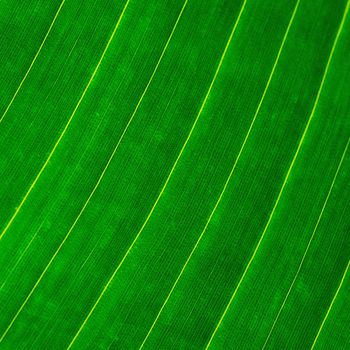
174	174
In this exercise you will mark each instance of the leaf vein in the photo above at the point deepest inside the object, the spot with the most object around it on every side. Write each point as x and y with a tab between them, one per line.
43	168
66	126
309	244
225	185
330	306
164	186
286	178
32	63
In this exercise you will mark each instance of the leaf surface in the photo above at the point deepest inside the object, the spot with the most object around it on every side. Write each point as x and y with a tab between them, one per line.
175	175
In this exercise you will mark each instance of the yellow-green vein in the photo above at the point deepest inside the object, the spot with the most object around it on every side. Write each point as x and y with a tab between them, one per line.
22	255
330	306
285	180
163	188
47	161
66	126
227	180
32	63
308	245
102	174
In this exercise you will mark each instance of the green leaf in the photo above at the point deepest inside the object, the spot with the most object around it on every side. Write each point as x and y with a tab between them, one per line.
174	175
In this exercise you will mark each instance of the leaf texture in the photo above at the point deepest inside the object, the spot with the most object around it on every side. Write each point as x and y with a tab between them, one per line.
175	174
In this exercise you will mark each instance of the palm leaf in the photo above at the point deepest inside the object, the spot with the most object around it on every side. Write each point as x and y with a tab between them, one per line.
174	175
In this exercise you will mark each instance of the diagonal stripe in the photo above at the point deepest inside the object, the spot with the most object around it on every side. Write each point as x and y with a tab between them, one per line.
308	245
286	178
48	159
164	186
330	306
103	172
22	255
67	125
227	180
115	149
32	63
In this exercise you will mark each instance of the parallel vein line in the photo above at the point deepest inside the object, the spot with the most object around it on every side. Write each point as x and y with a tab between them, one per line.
227	180
308	245
32	63
330	306
285	180
67	125
104	170
42	169
162	190
22	255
